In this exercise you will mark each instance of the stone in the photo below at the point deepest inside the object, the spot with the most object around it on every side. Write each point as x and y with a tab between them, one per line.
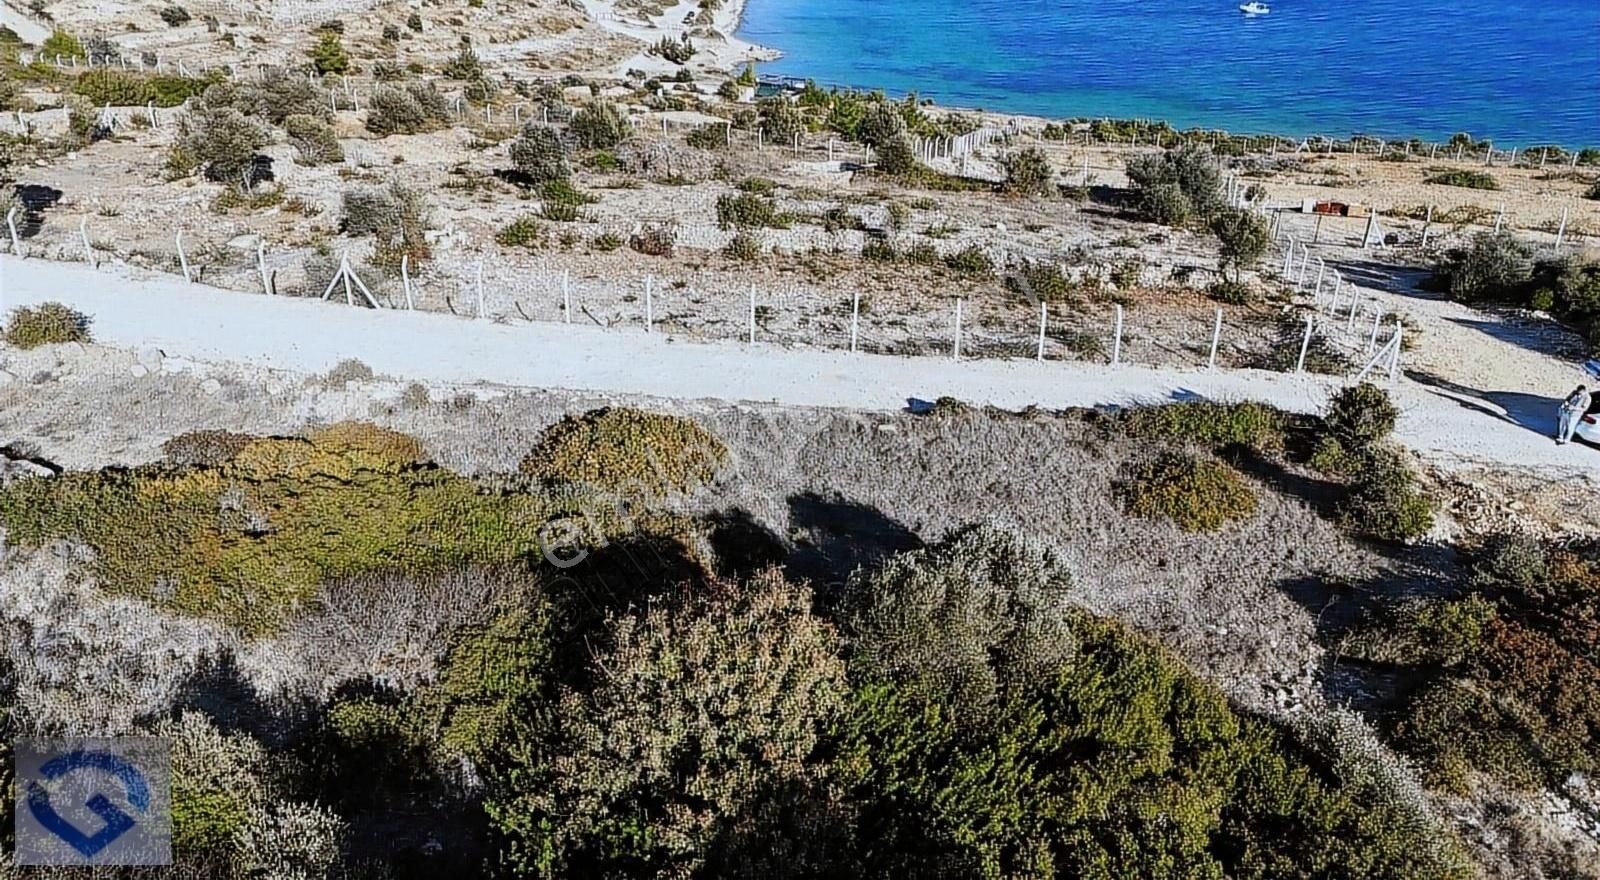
139	371
211	386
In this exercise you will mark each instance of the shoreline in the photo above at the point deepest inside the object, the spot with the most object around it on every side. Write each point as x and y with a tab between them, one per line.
732	53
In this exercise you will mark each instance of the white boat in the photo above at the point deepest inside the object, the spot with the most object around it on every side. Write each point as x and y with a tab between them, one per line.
1254	8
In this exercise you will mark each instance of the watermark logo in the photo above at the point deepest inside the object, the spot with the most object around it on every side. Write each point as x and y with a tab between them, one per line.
93	802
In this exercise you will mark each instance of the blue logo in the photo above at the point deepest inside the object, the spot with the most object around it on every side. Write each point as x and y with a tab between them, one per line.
93	801
117	822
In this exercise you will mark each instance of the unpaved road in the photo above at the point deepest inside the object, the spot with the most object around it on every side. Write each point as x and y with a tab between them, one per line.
135	309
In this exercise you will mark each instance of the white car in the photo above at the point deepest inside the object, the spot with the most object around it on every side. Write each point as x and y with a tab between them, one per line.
1589	426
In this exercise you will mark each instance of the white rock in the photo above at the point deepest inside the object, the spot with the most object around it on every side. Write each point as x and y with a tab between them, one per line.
150	357
139	371
211	386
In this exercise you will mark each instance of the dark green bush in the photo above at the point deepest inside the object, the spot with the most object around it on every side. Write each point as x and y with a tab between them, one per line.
1242	240
224	142
174	16
1040	280
523	232
328	55
1233	293
780	121
709	137
600	126
1465	178
1170	186
749	211
1028	172
881	125
970	260
415	108
539	153
744	246
46	324
1360	416
1384	500
1494	266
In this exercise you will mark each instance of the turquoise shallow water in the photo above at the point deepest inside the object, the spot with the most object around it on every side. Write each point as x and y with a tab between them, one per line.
1517	71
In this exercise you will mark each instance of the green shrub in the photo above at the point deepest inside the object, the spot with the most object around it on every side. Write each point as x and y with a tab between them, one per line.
1493	266
225	142
757	185
897	158
1040	280
1384	501
524	232
1594	191
677	51
1028	172
1465	178
1171	185
314	140
744	246
600	126
1233	293
383	211
709	137
275	95
560	201
970	260
248	542
623	449
963	621
539	153
1197	494
1242	240
415	108
882	124
174	16
414	22
328	55
606	242
1251	425
749	211
118	88
879	250
780	120
45	324
728	697
61	43
1360	416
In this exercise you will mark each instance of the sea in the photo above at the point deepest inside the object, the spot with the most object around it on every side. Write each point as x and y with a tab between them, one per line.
1517	72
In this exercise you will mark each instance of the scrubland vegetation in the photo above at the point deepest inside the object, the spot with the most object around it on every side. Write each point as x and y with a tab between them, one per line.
669	705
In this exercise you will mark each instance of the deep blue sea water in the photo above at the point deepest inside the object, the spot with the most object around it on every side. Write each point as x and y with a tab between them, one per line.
1517	71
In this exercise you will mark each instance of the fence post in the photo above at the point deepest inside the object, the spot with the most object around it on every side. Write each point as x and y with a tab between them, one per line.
1427	226
1288	259
1322	267
1394	356
1044	318
855	318
11	225
83	234
1116	339
752	314
566	296
183	259
1305	345
649	305
1350	321
955	349
1216	337
1561	233
1500	217
1372	340
405	280
261	266
478	289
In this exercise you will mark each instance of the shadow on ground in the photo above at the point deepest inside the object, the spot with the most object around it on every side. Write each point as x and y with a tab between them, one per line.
1535	412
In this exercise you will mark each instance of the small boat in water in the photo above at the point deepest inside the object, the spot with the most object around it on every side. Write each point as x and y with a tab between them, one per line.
1254	8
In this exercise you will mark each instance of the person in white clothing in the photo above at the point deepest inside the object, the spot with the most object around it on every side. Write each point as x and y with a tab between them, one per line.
1572	410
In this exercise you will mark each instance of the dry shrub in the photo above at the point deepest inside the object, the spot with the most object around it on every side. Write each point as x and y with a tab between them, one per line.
366	439
48	323
658	240
347	370
1197	494
621	448
313	139
960	621
204	448
1359	416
